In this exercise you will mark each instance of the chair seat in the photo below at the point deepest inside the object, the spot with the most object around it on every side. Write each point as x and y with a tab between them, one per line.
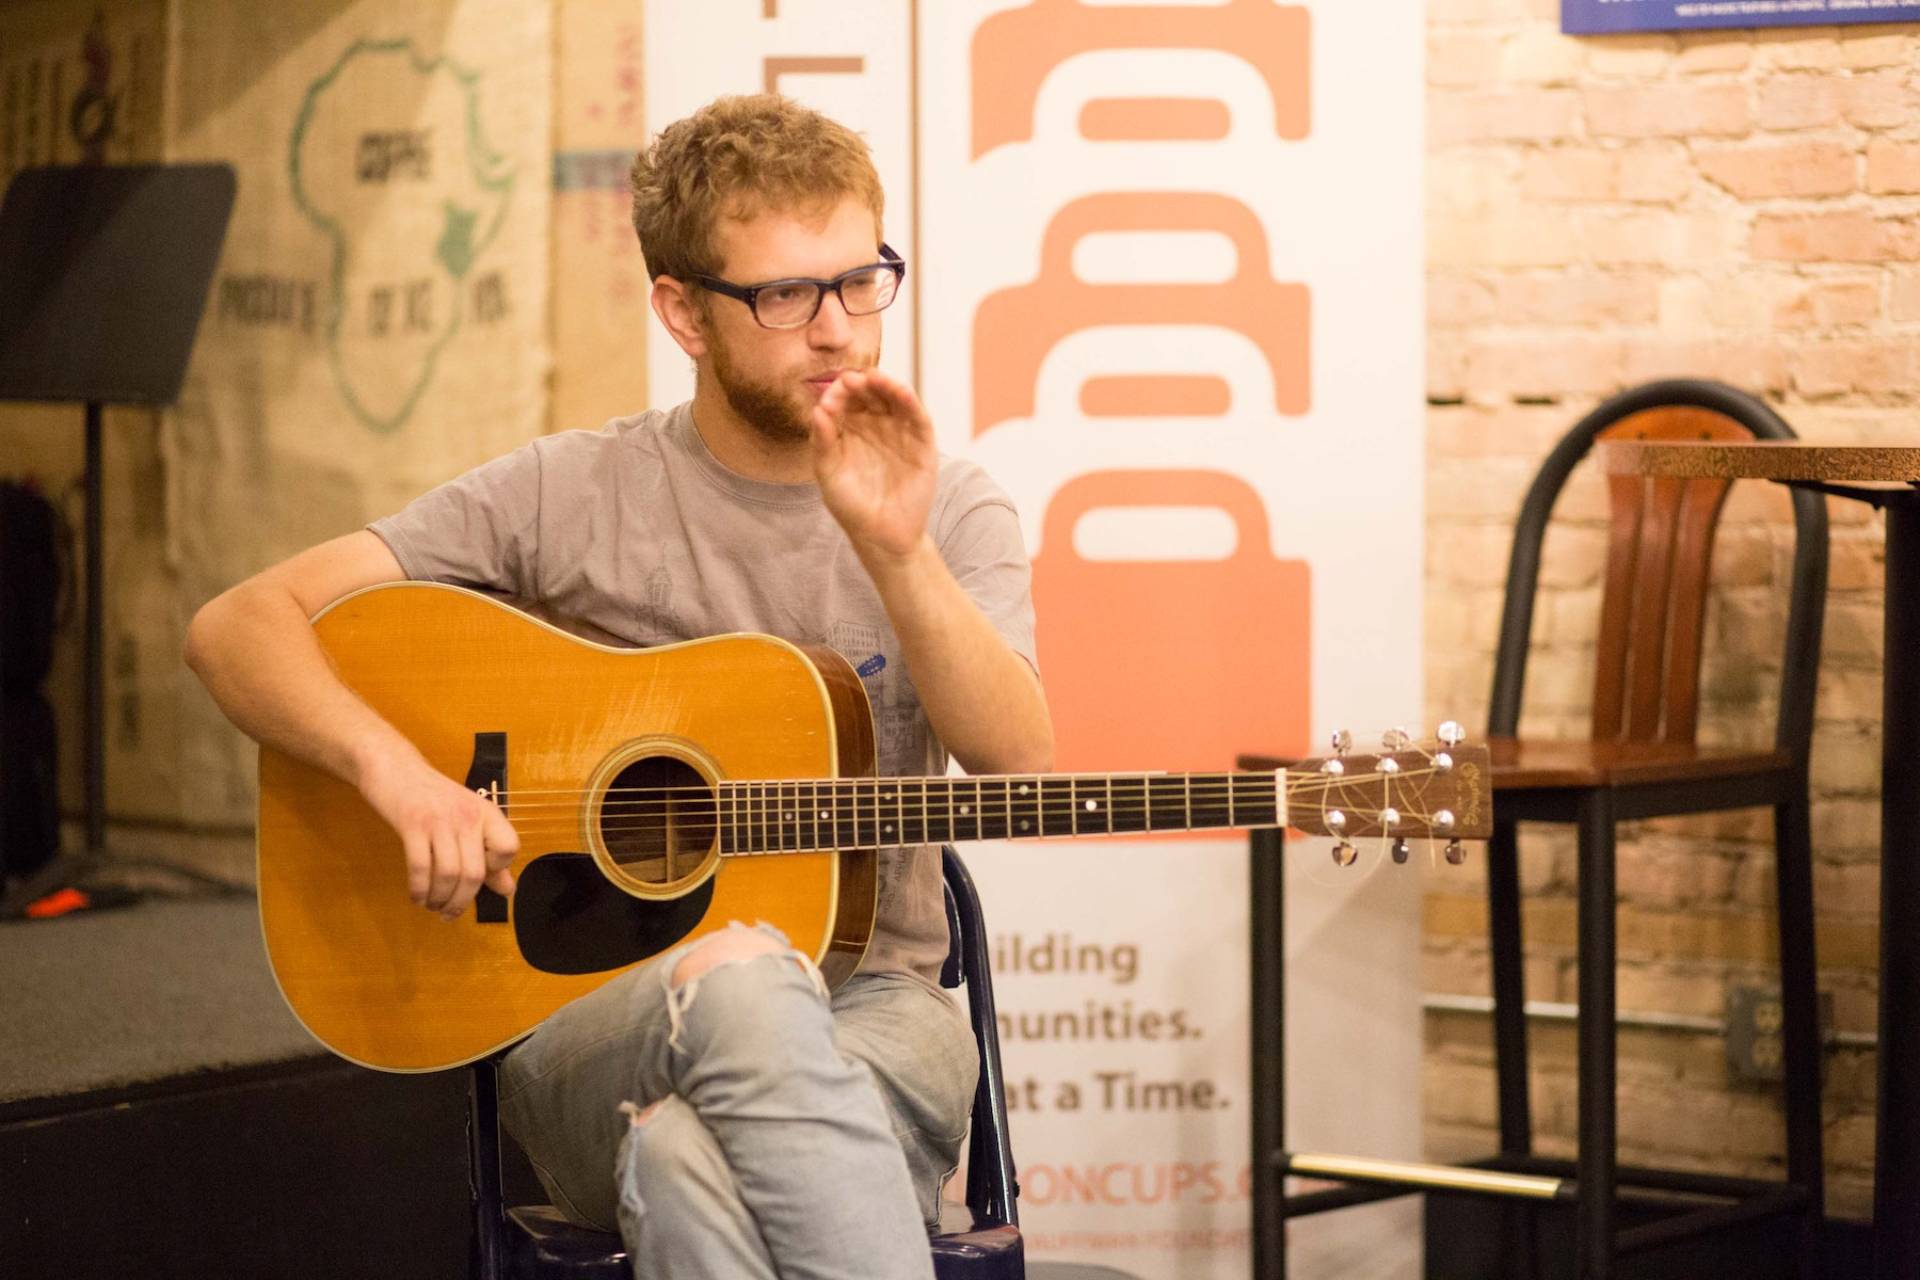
550	1246
970	1247
1529	763
964	1248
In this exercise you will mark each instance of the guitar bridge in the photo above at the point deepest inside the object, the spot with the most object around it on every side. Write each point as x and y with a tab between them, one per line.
487	775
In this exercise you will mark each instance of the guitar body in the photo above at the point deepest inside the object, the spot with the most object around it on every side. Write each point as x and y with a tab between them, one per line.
586	744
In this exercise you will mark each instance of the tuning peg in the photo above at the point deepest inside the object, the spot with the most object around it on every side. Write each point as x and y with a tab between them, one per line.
1396	739
1344	854
1443	819
1388	765
1455	854
1442	762
1334	767
1451	733
1400	851
1389	818
1342	742
1336	820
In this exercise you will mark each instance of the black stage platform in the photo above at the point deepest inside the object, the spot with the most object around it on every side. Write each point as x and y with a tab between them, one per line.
163	1115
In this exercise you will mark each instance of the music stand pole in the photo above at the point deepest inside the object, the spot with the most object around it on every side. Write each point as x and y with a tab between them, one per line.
94	731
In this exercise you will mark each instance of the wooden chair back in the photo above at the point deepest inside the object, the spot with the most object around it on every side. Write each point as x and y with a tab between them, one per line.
1646	684
1652	611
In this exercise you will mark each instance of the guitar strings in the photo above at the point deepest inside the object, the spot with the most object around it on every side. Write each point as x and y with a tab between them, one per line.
1054	782
773	829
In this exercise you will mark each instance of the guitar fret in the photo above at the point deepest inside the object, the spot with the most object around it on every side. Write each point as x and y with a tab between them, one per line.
1214	810
1056	810
1122	813
1030	817
1258	806
993	809
1073	807
846	829
1166	802
970	808
934	806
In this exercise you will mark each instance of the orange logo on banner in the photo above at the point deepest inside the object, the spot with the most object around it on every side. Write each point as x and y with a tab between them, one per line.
1014	50
1170	664
1015	328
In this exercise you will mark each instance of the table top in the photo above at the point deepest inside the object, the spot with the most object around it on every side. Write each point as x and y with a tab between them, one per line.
1763	460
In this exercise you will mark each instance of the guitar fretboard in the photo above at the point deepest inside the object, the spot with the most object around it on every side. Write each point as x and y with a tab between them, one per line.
865	813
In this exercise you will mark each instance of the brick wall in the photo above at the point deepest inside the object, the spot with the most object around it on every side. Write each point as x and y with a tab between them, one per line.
1601	211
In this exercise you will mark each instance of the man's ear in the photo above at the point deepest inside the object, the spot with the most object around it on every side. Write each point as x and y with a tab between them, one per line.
674	303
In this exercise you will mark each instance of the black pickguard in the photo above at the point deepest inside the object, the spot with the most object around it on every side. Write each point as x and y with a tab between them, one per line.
568	918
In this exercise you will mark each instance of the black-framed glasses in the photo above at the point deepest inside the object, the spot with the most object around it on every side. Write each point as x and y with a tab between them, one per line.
788	304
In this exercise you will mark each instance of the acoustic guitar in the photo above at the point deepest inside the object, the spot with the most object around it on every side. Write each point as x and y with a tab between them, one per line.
660	793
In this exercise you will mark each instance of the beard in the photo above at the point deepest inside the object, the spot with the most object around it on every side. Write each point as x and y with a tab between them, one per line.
780	418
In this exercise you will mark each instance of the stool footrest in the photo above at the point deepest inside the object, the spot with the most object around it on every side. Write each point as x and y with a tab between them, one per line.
1430	1177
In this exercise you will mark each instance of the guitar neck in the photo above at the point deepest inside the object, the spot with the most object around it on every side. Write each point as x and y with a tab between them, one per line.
865	813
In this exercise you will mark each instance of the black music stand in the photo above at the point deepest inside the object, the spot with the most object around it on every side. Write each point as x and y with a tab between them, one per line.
104	271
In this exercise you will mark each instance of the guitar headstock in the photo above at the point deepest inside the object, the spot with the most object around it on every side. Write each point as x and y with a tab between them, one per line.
1437	790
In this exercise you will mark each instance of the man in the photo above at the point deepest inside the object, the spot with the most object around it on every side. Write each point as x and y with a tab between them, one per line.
713	1103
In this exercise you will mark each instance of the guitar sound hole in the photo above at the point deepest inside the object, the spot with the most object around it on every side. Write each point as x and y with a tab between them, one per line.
657	819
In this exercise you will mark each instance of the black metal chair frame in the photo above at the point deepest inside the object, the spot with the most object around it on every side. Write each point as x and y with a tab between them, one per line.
1598	1183
536	1241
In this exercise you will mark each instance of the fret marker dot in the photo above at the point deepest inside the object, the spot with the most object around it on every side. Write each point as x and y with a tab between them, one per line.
1023	788
1092	805
1023	824
788	817
888	828
823	813
966	809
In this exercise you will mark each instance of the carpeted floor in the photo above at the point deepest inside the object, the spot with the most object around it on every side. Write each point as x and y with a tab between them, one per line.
164	988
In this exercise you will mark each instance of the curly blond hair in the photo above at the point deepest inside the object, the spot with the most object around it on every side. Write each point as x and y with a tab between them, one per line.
737	157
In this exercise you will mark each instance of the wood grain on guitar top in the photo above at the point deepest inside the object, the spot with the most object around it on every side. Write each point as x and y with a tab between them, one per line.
388	984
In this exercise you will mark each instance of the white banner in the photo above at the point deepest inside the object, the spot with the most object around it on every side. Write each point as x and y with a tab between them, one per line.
1165	284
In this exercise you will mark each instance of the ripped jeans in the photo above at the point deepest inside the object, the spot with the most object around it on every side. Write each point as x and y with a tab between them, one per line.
745	1124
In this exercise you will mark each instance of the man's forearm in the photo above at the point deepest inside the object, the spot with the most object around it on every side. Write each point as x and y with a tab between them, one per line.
981	697
256	652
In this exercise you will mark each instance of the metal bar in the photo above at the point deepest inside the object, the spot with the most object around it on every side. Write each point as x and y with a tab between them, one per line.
1593	1233
1559	1011
1509	989
1266	859
1432	1177
1655	1234
1628	1177
94	727
483	1170
1896	1185
1799	996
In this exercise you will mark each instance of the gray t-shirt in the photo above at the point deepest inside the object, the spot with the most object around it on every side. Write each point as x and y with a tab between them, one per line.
638	531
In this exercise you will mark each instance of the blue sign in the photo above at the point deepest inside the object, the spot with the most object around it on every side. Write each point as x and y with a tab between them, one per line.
1594	17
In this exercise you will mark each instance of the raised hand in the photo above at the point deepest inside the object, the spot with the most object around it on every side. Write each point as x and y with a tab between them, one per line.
875	459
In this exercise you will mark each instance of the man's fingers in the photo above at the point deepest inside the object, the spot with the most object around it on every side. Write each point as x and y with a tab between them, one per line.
446	869
473	870
500	880
503	842
419	865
